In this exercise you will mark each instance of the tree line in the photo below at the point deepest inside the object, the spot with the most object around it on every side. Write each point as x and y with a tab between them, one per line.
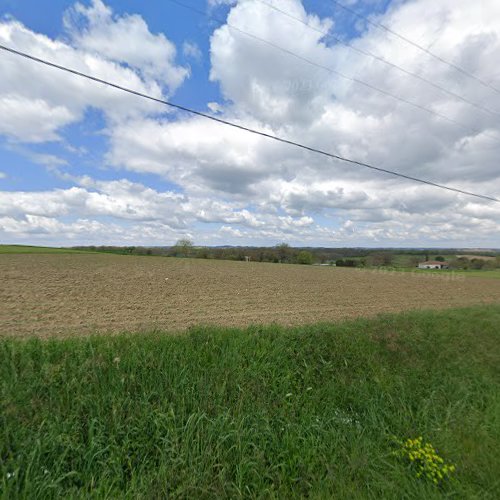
285	254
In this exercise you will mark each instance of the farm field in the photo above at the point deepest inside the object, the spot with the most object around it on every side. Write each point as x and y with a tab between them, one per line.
494	273
44	294
319	411
450	273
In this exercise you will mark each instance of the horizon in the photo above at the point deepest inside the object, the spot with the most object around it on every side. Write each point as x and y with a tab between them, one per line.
423	249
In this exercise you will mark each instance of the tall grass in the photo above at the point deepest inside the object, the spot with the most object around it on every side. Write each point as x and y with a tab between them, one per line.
263	412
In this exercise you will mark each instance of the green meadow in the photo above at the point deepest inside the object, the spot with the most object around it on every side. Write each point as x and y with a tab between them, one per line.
266	412
17	249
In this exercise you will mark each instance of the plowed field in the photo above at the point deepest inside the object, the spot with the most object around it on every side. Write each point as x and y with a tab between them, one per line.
79	294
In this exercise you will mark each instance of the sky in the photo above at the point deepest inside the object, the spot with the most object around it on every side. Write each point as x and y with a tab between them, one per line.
83	164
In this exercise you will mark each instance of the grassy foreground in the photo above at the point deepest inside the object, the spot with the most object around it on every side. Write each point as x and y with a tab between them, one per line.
264	412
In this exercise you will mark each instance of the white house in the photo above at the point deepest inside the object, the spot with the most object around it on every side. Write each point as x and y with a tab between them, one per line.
433	264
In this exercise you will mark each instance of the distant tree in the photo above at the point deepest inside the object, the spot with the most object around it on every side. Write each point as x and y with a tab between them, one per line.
380	259
322	257
346	263
464	262
477	263
440	258
184	247
305	257
413	261
203	253
489	265
387	259
460	263
283	252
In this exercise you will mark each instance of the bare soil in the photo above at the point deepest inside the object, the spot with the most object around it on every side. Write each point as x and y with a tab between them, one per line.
45	295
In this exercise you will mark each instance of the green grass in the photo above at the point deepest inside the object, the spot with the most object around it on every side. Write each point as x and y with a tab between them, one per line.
264	412
30	249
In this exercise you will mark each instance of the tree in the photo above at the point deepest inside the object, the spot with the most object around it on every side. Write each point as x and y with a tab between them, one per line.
460	263
283	251
380	259
346	263
203	253
305	257
184	247
477	263
489	265
440	258
413	261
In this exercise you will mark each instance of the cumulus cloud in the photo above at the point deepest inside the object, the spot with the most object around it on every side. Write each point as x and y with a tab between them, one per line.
293	99
32	120
231	184
274	86
127	203
192	50
215	107
39	101
96	30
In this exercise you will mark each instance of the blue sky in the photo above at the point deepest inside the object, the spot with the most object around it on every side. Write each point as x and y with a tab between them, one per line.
81	165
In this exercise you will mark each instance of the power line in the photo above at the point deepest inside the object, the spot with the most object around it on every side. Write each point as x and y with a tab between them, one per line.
467	128
241	127
418	46
381	59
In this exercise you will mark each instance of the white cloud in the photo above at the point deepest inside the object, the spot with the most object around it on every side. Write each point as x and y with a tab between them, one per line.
32	120
95	30
192	50
291	99
237	185
231	231
214	107
124	203
109	209
39	101
272	86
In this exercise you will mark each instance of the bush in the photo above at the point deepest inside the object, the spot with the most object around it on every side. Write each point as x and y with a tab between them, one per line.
477	264
305	257
380	259
346	263
460	263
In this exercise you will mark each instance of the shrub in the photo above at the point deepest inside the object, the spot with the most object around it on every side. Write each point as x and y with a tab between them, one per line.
346	263
305	257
